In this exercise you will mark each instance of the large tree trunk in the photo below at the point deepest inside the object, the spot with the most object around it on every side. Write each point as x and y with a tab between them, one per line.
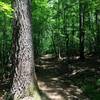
24	80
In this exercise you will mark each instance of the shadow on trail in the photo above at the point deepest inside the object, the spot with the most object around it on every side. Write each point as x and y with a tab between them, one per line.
62	79
72	80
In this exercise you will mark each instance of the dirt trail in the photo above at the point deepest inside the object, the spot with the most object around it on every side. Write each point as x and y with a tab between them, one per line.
56	84
56	90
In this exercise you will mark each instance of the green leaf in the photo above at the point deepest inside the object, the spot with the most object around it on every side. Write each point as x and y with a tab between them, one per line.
6	8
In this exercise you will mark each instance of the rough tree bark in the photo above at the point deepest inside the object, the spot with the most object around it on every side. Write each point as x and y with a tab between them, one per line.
24	79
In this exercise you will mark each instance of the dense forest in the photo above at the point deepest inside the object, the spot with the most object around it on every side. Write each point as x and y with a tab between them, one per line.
49	49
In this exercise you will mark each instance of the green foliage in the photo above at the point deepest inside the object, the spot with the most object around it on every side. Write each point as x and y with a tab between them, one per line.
62	19
91	90
98	82
55	30
56	25
6	9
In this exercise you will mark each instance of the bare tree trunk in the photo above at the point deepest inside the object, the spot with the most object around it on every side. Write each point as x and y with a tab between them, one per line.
82	33
24	80
98	32
53	43
65	31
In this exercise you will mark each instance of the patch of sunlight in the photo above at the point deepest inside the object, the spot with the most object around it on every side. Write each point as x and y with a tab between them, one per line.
78	71
54	79
27	98
98	60
72	97
52	93
46	89
79	91
44	66
56	97
31	98
47	56
75	89
76	57
6	8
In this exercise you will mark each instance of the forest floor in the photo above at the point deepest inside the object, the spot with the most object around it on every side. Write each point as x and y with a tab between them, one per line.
61	79
69	80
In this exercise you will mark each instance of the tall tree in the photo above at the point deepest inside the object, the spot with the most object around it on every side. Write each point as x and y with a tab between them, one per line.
81	28
24	79
98	32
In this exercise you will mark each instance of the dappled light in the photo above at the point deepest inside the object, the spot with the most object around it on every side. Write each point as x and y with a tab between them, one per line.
49	49
6	9
70	84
